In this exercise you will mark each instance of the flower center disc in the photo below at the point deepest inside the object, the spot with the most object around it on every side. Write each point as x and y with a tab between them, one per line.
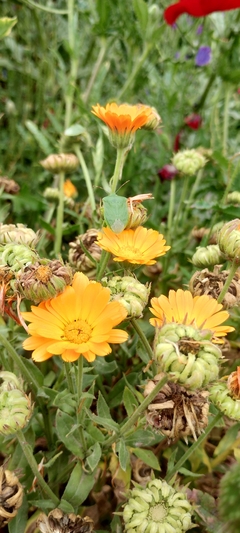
78	331
158	513
43	273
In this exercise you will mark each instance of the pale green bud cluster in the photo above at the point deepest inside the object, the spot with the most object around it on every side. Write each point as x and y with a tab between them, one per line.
157	508
60	163
17	233
127	290
17	256
220	396
233	198
189	161
229	240
15	405
207	256
187	355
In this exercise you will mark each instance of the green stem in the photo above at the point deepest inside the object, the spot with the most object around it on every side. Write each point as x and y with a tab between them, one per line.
60	209
73	65
86	177
192	449
27	450
227	284
140	409
79	378
135	70
121	156
144	341
69	379
95	70
44	8
182	200
19	363
105	256
192	193
231	177
226	121
201	102
171	208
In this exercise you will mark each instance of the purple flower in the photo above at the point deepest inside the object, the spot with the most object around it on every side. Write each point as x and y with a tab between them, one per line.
203	56
199	29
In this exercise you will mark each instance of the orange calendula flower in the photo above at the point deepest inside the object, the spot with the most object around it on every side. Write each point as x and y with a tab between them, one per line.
69	189
80	321
202	312
139	246
123	120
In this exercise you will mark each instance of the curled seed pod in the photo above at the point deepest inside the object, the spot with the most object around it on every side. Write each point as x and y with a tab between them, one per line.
11	495
59	522
15	405
187	355
18	234
229	240
177	412
221	397
127	290
211	283
157	508
17	256
207	256
189	161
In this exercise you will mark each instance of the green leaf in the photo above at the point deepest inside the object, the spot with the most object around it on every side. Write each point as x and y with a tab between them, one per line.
102	407
103	367
74	130
45	225
18	523
95	433
6	25
38	376
129	401
79	485
70	439
44	505
189	473
227	440
39	137
148	457
141	12
140	437
105	422
95	456
123	454
66	507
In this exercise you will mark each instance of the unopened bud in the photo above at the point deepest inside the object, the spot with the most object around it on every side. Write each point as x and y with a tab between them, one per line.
221	397
229	240
189	161
60	163
233	198
207	256
137	212
154	120
18	233
15	405
127	290
43	280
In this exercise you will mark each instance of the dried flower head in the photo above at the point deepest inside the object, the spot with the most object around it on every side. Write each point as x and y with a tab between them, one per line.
189	161
233	384
18	234
123	121
84	252
60	163
175	411
79	322
45	279
229	240
15	405
140	246
9	186
156	508
211	284
59	522
200	233
127	290
187	355
11	495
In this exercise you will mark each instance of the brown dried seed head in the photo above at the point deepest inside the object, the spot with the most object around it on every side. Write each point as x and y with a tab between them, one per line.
59	522
11	495
211	283
9	186
78	257
233	383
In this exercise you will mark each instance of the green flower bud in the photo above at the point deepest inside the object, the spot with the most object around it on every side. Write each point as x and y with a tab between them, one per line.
189	161
52	195
157	508
127	290
60	163
207	256
233	198
187	355
17	256
11	496
45	279
84	253
15	405
221	397
229	240
19	234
